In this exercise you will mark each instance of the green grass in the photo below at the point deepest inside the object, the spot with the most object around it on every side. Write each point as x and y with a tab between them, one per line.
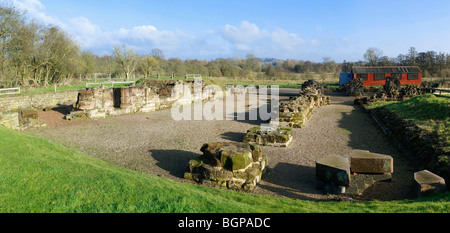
427	111
71	87
41	176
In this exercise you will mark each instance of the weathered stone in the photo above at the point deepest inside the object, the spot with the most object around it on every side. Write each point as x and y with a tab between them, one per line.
192	176
253	173
235	160
366	162
296	112
256	153
279	137
250	185
28	113
229	164
360	182
236	184
429	183
334	170
232	156
382	177
194	164
215	173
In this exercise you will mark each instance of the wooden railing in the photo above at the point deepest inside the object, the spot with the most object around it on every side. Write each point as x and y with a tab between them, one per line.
440	92
112	83
10	91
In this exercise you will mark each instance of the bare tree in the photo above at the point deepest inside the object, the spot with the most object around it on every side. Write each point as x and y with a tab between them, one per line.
373	55
126	58
148	64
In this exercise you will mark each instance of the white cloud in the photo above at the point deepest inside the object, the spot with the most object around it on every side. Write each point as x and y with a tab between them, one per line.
86	33
229	41
249	38
36	10
245	33
287	40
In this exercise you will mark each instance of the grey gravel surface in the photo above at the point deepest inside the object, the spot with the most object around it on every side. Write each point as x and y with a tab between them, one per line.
155	143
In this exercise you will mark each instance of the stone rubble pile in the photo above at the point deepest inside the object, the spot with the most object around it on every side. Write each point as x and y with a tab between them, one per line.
354	88
278	137
232	165
296	112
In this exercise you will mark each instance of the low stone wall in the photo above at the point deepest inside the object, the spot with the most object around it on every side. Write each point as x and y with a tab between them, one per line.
12	106
10	120
426	150
37	101
296	112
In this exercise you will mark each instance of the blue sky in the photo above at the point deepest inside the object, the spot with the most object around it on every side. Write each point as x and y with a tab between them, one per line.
285	29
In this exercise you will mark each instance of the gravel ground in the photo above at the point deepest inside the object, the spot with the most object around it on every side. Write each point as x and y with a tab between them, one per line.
155	143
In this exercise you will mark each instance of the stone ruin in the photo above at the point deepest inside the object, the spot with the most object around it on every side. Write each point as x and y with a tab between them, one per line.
352	175
393	91
278	137
151	96
312	85
232	165
354	88
29	118
102	102
296	112
392	86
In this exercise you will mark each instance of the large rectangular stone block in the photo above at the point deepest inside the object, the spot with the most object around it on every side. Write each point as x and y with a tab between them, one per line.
428	183
334	169
363	161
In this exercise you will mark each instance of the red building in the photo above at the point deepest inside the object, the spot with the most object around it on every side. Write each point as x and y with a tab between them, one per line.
376	75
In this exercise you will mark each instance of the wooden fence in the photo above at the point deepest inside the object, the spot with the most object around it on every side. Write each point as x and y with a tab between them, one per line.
10	91
107	83
436	91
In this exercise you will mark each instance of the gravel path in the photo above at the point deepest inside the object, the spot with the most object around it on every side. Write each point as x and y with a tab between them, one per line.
157	144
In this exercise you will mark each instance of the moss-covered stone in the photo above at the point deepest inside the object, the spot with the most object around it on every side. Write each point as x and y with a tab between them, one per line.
277	137
228	164
236	160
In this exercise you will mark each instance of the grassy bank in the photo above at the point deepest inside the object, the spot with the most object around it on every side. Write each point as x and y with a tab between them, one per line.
40	176
427	111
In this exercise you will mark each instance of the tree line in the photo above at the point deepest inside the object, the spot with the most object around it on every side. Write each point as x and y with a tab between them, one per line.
32	54
436	64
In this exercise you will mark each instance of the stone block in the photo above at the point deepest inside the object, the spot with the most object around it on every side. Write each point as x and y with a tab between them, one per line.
367	162
429	183
278	137
235	160
216	173
360	182
334	169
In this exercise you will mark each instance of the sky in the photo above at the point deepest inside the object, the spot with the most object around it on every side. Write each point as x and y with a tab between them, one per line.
284	29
